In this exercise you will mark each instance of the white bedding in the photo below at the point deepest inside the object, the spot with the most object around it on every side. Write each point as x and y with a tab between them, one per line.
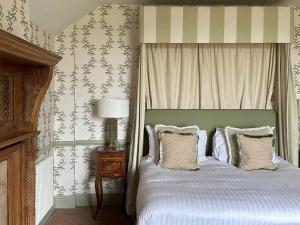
218	194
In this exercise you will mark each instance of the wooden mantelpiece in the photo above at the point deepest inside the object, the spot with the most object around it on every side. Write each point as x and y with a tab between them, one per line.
25	74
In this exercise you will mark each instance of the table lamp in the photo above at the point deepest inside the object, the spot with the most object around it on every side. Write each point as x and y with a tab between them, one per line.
112	109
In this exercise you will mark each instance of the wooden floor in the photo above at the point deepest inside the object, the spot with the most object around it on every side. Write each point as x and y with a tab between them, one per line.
109	215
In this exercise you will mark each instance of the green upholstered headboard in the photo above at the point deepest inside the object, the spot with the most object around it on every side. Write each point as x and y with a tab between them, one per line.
208	119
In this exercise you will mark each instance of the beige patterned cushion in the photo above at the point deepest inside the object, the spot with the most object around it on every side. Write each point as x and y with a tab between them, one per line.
255	153
231	132
178	151
161	129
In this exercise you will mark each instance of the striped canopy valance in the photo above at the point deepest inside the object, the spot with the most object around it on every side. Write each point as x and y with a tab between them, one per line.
216	24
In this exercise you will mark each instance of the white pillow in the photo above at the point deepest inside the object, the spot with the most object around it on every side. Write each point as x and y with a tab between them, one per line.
154	145
275	158
202	145
220	147
257	131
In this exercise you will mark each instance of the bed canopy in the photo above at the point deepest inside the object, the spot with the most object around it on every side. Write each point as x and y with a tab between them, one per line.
195	57
216	24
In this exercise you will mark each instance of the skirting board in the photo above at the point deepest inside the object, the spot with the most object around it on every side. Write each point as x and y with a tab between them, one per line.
46	217
79	200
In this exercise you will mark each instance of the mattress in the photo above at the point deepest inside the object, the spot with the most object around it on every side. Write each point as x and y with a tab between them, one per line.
218	194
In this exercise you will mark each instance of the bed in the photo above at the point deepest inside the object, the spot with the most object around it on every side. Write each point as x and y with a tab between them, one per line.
218	193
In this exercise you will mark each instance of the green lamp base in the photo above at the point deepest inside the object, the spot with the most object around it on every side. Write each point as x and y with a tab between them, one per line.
111	131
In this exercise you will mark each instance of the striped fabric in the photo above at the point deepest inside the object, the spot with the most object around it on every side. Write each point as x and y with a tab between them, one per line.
216	24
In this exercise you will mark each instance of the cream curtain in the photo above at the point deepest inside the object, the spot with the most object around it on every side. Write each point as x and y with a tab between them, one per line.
136	144
213	76
285	104
210	76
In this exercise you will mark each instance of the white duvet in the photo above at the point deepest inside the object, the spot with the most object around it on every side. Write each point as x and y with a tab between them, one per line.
218	194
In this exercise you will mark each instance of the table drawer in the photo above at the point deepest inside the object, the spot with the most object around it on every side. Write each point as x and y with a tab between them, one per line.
111	166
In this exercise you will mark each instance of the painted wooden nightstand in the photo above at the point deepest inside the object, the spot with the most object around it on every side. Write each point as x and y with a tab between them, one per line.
110	164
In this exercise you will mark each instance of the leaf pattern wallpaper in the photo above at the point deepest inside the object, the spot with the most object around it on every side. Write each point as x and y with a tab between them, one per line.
296	52
100	59
15	18
296	59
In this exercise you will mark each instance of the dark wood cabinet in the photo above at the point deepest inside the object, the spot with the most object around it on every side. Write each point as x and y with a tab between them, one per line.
25	74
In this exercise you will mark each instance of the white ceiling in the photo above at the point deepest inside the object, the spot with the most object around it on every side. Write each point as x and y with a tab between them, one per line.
55	15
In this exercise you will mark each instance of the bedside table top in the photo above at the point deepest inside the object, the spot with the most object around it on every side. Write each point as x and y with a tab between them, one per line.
110	153
111	150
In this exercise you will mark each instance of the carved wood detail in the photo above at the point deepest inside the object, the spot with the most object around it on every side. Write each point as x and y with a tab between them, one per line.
28	69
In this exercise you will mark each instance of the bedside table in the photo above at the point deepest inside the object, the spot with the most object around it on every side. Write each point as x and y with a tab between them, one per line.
110	164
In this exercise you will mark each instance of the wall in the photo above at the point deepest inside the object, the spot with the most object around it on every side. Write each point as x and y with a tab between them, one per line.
44	189
46	126
296	52
100	59
296	59
15	18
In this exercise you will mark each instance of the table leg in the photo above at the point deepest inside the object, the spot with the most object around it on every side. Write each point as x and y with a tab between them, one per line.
125	191
98	195
101	193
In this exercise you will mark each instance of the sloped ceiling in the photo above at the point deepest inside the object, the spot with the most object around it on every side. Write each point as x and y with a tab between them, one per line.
55	15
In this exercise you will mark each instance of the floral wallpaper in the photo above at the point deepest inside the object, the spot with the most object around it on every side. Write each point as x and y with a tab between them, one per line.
100	58
46	125
296	52
15	18
296	59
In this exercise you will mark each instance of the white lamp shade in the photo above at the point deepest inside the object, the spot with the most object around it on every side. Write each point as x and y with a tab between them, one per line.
113	108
